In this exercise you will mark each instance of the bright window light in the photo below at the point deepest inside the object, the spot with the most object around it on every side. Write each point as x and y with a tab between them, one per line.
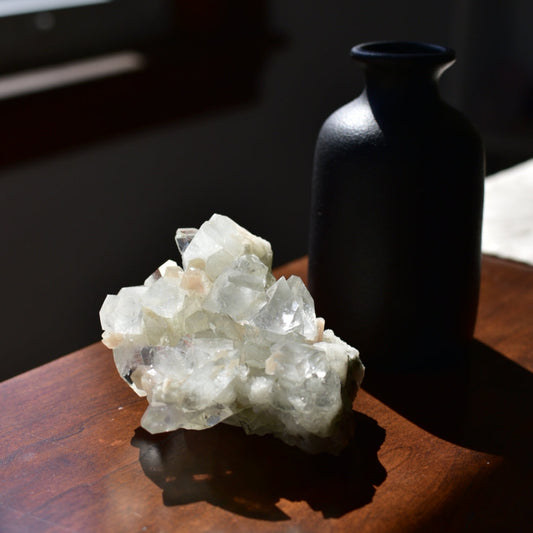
18	7
47	78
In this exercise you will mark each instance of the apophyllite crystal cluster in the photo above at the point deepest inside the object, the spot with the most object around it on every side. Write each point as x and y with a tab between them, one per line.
220	340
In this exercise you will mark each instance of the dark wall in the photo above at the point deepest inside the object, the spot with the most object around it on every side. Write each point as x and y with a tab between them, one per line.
80	220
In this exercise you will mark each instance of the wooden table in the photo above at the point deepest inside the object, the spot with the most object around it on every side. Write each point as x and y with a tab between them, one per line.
433	454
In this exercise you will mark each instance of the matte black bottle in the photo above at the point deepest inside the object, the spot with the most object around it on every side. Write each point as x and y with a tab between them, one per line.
397	200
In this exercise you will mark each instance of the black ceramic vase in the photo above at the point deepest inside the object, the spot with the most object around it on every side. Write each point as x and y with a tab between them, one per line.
397	199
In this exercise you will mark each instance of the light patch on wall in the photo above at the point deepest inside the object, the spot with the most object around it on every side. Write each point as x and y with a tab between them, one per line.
37	80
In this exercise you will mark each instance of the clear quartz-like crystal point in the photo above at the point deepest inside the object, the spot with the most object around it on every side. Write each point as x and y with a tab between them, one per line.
223	341
184	236
290	309
168	269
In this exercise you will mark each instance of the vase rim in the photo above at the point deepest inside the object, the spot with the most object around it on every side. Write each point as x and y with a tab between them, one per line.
402	51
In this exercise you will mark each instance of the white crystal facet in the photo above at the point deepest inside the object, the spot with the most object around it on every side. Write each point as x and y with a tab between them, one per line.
223	341
218	242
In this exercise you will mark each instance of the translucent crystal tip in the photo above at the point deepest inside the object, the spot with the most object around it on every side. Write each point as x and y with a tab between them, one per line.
184	236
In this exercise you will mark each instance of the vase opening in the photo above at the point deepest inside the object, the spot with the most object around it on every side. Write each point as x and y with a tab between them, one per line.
402	51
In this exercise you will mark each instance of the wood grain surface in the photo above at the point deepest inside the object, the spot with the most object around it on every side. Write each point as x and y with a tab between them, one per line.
431	453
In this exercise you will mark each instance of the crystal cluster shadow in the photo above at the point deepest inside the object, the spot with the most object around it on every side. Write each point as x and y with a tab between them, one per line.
248	475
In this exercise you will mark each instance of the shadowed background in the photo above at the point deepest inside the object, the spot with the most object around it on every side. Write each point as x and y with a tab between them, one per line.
216	109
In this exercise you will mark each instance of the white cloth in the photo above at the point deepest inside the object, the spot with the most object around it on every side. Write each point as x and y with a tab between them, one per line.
508	213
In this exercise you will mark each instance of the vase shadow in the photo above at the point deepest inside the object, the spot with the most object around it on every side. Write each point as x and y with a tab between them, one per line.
483	406
248	475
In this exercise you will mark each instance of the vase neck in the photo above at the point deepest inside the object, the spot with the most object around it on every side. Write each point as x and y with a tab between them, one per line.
402	73
390	86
